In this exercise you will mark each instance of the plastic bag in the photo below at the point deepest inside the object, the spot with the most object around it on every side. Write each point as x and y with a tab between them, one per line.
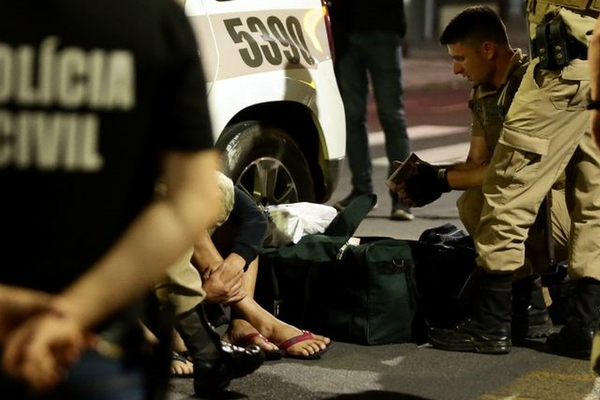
298	219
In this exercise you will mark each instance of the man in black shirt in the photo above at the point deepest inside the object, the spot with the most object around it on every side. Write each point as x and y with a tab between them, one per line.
97	98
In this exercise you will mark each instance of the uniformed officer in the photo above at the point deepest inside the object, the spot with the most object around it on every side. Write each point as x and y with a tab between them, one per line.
545	133
477	41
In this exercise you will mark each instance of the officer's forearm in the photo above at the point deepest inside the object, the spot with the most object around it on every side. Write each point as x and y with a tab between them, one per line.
466	178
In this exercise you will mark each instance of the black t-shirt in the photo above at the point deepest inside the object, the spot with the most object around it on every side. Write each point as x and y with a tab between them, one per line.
376	15
91	92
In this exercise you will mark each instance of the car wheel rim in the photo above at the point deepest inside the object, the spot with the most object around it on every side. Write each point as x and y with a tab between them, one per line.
268	181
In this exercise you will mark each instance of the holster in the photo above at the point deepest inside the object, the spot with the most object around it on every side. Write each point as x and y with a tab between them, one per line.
545	213
555	47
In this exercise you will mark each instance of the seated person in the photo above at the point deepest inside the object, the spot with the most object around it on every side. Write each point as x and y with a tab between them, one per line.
233	248
477	42
204	275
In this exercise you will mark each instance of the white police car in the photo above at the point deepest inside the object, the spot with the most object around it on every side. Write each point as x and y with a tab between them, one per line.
275	106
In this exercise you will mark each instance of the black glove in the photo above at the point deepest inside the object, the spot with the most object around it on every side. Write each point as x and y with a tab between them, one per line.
427	185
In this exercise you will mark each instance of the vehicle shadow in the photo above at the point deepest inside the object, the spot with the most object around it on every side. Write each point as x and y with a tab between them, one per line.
377	395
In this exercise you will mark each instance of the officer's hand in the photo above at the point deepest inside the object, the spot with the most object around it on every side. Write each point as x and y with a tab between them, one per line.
426	185
403	196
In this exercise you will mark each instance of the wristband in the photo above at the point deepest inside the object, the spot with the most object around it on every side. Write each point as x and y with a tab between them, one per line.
442	176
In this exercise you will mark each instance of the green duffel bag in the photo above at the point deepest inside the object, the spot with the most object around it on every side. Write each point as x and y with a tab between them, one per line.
362	293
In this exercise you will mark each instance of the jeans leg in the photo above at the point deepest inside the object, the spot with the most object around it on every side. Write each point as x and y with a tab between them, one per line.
385	68
352	80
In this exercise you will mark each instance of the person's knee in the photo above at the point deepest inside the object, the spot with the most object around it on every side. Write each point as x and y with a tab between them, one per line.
469	211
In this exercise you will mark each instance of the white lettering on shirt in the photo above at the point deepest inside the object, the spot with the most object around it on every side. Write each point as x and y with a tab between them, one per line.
75	81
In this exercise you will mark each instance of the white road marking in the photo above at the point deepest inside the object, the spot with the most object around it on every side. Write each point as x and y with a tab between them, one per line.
595	393
419	132
394	361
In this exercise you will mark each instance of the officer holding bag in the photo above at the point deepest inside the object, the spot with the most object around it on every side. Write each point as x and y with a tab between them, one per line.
545	133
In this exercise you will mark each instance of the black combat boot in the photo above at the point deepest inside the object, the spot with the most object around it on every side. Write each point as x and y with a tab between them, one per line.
576	337
530	317
215	363
488	328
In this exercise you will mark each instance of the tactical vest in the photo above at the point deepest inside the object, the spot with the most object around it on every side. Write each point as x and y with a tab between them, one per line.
491	110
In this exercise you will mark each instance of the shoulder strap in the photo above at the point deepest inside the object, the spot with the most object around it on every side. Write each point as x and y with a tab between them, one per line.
348	220
511	87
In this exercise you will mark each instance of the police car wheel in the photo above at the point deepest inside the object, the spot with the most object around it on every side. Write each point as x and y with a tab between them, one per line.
267	163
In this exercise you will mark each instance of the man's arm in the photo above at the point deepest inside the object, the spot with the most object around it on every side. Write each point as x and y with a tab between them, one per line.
222	283
251	231
161	233
17	304
469	174
43	345
429	183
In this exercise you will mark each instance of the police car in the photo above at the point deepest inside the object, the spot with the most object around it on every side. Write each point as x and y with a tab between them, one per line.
275	106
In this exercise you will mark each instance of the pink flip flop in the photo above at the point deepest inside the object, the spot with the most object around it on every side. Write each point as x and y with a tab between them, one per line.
305	335
270	355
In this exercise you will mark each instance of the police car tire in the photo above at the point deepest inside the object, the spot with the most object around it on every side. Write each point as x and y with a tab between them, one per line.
252	146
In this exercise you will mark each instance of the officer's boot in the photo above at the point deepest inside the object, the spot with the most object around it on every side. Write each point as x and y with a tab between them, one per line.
488	328
215	363
530	315
575	338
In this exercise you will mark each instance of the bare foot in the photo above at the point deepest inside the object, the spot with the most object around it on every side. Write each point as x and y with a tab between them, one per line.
307	346
181	367
241	333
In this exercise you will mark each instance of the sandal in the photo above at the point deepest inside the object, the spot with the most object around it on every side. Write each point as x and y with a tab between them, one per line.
176	357
305	335
270	355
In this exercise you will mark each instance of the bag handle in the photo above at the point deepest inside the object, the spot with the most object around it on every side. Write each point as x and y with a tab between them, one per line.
348	220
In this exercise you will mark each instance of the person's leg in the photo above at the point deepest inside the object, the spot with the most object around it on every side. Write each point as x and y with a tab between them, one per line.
583	192
469	206
249	318
383	55
530	315
252	324
541	132
353	84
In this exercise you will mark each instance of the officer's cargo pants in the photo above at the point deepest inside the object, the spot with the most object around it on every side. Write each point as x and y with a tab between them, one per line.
470	204
545	132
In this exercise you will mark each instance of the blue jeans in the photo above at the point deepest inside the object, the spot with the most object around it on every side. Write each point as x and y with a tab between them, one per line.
379	55
94	377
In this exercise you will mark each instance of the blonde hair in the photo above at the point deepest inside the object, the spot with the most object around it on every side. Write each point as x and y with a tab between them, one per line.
226	197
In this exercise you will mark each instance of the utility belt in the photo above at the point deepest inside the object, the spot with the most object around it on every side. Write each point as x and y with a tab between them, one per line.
583	5
555	47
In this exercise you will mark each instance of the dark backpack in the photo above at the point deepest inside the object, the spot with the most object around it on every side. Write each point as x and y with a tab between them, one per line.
444	258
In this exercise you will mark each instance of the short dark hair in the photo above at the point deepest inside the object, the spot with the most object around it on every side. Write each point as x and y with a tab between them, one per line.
476	24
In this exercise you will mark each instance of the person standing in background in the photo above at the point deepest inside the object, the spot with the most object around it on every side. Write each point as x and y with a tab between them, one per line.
370	38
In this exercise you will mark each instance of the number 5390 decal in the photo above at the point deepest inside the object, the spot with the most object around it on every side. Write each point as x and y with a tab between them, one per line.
279	40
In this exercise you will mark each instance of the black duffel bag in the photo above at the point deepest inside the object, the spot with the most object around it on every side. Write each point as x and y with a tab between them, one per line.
444	258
